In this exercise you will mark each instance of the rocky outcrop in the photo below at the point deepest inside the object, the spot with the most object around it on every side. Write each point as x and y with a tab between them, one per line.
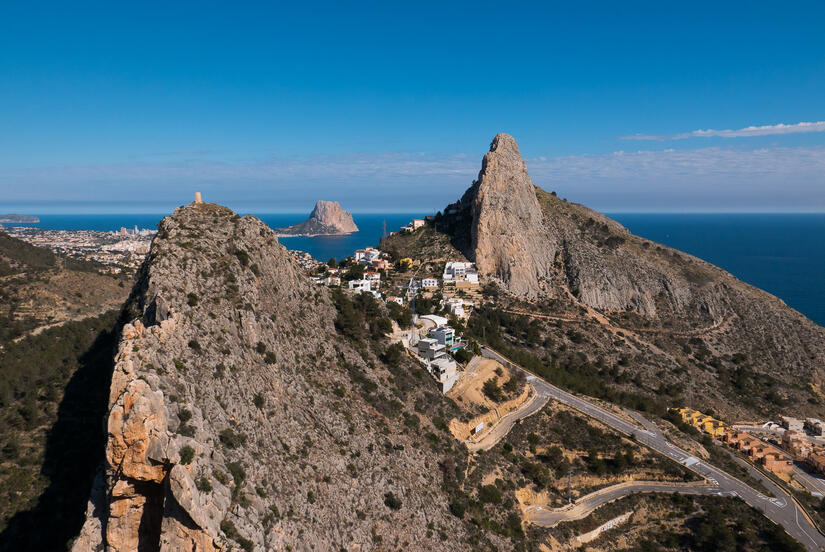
508	238
327	218
554	252
234	420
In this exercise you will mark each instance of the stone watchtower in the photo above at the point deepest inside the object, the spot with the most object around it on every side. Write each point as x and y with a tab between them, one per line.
198	198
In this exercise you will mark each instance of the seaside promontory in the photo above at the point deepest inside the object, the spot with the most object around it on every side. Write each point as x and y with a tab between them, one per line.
326	219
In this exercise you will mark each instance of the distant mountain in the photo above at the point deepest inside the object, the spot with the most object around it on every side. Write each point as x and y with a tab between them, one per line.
326	219
15	218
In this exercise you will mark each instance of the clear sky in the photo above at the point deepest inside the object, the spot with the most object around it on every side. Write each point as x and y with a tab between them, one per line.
119	106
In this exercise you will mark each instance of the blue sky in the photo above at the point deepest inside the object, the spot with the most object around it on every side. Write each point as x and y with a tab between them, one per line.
135	105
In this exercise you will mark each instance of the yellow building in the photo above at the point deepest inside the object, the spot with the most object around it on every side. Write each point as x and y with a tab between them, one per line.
406	262
703	422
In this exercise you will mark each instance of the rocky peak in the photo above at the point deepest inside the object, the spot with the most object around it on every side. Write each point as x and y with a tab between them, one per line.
327	218
507	220
226	425
329	213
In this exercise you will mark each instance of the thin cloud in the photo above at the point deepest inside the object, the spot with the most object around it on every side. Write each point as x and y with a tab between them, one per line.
747	132
721	178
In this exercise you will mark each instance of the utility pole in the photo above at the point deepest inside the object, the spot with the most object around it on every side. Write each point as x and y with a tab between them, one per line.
384	229
569	492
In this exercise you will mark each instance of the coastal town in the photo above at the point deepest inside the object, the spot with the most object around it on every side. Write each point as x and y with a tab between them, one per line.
121	251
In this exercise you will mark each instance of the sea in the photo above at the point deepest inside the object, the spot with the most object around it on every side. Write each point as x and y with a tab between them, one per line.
784	254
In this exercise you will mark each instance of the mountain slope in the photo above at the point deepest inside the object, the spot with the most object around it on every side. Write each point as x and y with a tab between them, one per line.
238	416
581	264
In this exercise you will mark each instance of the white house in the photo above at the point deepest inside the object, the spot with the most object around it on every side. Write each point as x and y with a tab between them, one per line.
367	255
444	371
455	271
444	335
360	285
429	282
455	305
431	349
399	300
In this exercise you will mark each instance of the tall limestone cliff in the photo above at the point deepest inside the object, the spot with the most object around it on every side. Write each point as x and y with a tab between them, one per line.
542	248
327	218
508	239
233	420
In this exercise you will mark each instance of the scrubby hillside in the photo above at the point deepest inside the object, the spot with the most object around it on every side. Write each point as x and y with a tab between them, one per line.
39	288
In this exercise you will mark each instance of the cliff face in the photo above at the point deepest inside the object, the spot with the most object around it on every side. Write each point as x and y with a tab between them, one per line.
327	218
233	419
508	237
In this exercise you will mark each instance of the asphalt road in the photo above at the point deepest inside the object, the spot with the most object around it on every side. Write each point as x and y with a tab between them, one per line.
781	509
506	423
546	517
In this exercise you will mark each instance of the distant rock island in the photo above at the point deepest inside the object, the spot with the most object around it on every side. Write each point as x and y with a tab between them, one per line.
12	217
326	219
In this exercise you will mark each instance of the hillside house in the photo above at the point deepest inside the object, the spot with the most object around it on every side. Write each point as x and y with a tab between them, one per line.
430	349
444	335
459	272
444	371
455	305
367	255
429	283
360	285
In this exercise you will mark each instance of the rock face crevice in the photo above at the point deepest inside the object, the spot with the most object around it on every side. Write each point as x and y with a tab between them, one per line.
327	218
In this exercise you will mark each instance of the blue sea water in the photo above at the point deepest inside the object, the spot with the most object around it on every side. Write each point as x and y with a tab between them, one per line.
370	228
782	254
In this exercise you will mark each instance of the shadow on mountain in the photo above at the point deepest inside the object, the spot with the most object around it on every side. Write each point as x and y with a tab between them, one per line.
74	451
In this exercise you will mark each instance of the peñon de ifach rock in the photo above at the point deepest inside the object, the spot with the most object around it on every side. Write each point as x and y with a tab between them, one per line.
234	420
326	219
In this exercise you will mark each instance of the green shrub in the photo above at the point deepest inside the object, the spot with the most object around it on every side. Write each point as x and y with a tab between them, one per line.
392	502
243	257
192	299
232	440
203	485
195	346
187	454
180	366
492	390
220	476
237	472
489	494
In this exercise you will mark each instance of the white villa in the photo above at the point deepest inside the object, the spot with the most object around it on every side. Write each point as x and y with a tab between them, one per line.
455	271
360	285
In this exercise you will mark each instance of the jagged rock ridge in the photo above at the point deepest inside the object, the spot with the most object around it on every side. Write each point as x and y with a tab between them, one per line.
233	419
327	218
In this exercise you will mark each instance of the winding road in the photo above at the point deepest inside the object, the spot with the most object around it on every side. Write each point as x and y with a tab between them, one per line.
584	506
781	509
506	422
